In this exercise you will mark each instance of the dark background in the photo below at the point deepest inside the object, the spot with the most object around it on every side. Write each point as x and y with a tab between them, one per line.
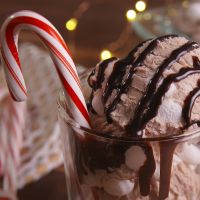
100	25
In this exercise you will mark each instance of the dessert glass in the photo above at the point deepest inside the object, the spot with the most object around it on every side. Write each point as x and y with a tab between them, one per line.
95	164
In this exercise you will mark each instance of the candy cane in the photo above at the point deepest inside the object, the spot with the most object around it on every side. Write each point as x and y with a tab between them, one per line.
12	124
59	53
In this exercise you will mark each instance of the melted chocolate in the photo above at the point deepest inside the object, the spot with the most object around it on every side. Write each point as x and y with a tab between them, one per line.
101	72
115	80
119	71
100	78
147	170
157	99
89	77
166	157
188	105
152	86
97	154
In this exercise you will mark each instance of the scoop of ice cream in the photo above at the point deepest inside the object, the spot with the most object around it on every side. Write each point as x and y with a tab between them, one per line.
153	90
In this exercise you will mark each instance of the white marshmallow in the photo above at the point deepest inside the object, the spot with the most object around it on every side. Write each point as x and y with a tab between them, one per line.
135	158
170	111
190	154
117	187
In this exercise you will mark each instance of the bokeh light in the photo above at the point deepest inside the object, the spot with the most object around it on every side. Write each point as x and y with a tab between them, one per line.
185	4
71	24
140	6
105	54
131	15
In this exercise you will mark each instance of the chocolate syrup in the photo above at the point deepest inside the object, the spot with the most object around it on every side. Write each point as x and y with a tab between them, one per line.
115	80
100	76
188	105
97	84
118	72
89	77
99	154
190	100
152	86
157	99
147	170
166	158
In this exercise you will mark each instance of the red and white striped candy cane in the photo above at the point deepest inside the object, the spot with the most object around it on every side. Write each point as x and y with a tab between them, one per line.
59	53
12	124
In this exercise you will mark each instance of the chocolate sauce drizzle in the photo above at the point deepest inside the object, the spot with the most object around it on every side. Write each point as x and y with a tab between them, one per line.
188	105
166	158
157	99
190	100
100	78
137	121
118	72
147	170
115	80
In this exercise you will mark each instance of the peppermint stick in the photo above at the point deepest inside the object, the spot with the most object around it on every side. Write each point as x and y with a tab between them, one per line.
59	53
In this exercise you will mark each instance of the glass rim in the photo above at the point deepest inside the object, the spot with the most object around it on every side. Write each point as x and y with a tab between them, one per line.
170	137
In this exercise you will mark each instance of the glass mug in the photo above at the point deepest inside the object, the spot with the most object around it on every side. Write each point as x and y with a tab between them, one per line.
103	167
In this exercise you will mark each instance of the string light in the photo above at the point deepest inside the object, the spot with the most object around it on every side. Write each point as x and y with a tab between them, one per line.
185	4
140	6
105	54
131	15
71	24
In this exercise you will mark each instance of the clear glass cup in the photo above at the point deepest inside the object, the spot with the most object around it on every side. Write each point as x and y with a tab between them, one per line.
103	167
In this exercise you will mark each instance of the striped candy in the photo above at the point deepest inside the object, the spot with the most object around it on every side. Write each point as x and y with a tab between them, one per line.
59	53
12	124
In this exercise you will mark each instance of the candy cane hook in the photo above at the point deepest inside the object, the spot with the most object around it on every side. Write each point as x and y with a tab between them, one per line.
59	53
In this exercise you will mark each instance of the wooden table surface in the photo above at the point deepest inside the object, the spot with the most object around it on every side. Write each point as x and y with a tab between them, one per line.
51	187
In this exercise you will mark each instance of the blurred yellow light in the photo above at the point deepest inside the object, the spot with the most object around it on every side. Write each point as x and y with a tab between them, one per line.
131	15
105	54
71	24
140	6
185	4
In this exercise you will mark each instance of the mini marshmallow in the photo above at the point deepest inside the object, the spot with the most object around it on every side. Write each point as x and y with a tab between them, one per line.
135	158
117	187
190	154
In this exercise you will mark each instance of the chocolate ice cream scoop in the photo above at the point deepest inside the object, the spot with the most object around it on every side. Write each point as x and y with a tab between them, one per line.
152	91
